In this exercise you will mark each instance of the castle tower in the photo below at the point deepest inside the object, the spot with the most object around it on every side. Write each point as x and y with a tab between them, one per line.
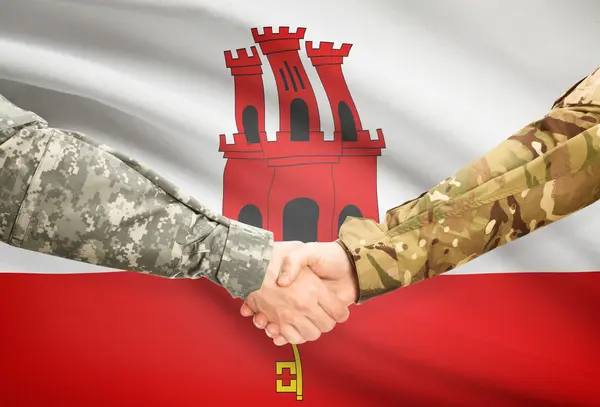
301	199
358	163
298	110
247	178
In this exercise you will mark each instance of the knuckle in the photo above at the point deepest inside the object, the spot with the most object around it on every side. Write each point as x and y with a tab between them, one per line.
285	315
300	302
289	259
303	306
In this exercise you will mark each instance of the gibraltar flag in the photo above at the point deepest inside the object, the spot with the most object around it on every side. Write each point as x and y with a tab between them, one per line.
337	109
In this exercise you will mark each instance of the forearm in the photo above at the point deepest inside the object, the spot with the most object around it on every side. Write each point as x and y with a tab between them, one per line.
64	195
543	173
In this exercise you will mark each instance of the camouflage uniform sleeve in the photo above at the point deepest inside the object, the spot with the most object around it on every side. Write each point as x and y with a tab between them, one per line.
64	195
541	174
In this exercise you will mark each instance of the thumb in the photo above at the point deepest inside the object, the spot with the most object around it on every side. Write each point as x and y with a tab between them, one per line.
293	263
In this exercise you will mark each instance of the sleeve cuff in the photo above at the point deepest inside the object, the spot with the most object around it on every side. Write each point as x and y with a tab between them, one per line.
374	257
245	259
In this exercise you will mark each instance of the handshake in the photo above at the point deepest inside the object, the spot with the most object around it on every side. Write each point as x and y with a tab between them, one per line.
307	289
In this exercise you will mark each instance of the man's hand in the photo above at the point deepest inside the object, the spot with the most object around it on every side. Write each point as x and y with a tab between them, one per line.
329	262
301	311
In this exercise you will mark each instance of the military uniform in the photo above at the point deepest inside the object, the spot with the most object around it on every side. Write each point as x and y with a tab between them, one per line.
64	195
543	173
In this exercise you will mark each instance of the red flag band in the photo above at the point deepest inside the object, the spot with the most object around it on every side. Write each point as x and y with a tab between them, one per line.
125	339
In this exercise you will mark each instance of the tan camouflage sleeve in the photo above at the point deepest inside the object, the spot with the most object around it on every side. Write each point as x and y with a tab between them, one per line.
64	195
541	174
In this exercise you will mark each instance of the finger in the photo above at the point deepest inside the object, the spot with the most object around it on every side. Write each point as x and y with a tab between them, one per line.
260	323
304	256
260	320
291	334
246	311
251	303
306	329
333	306
280	341
272	330
321	320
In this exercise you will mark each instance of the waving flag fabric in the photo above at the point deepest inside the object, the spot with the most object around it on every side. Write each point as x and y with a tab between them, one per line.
420	89
129	340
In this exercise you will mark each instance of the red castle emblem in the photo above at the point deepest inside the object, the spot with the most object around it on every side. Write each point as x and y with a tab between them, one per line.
300	186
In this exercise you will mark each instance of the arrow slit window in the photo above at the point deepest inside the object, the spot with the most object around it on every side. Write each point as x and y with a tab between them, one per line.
347	122
299	120
250	123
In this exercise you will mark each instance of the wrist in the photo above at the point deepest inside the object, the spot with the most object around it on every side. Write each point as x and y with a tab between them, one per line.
245	259
350	292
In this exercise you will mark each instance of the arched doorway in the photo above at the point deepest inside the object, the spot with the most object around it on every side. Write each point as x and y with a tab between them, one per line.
301	220
299	120
250	123
250	215
349	210
347	124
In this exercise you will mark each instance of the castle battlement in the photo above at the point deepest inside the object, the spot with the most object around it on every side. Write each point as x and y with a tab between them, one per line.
326	49
284	146
316	146
363	145
243	58
240	144
325	54
284	40
283	34
284	151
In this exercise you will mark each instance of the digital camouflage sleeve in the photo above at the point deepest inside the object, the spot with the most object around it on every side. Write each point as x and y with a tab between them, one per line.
64	195
543	173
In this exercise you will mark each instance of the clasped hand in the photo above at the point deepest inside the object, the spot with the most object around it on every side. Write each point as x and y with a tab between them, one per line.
306	291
